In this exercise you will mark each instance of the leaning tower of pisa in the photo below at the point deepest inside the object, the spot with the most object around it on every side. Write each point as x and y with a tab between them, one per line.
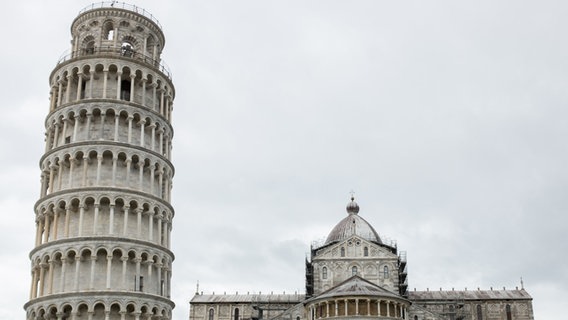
103	218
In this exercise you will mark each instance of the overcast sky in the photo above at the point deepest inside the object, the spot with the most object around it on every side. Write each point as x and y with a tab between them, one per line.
448	119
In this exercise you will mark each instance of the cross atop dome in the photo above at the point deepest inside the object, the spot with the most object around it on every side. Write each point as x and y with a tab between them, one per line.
352	207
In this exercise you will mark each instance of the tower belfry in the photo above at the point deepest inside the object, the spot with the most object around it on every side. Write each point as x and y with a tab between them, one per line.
103	218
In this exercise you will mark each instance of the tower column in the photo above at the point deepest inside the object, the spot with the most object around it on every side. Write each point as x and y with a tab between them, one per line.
79	86
33	291
62	275
96	218
126	211
92	277
55	223
39	230
139	223
160	217
130	117
116	119
99	166
67	218
124	260
56	134
132	79
102	129
88	127
59	93
105	82
144	80
141	175
114	162
111	219
75	127
48	137
68	89
85	167
51	177
46	228
81	216
162	102
50	277
141	124
118	84
91	80
154	86
150	226
128	163
108	270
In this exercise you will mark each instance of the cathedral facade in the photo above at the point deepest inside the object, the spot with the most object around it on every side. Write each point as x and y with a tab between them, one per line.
354	274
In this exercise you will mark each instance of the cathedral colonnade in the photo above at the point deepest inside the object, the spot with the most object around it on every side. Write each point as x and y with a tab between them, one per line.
360	307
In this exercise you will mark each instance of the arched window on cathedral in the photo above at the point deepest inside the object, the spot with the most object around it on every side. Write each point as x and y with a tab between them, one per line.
324	273
353	270
343	252
386	272
211	314
366	252
415	317
479	312
452	313
236	316
508	311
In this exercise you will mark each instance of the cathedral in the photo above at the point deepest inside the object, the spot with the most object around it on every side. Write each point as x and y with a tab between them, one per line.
103	218
354	274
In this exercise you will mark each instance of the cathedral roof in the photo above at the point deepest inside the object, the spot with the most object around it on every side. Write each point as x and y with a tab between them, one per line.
357	286
353	225
247	298
519	294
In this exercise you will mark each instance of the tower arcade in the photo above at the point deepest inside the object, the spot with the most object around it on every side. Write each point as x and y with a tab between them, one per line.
103	218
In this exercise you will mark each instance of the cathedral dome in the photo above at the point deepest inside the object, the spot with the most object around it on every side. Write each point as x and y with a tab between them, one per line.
352	225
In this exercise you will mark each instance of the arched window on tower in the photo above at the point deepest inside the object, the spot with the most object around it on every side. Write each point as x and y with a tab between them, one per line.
479	312
353	270
508	311
343	252
108	30
236	316
88	45
365	251
386	272
324	273
127	49
211	314
125	90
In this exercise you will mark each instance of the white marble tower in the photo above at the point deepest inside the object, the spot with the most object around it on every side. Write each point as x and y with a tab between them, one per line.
103	218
